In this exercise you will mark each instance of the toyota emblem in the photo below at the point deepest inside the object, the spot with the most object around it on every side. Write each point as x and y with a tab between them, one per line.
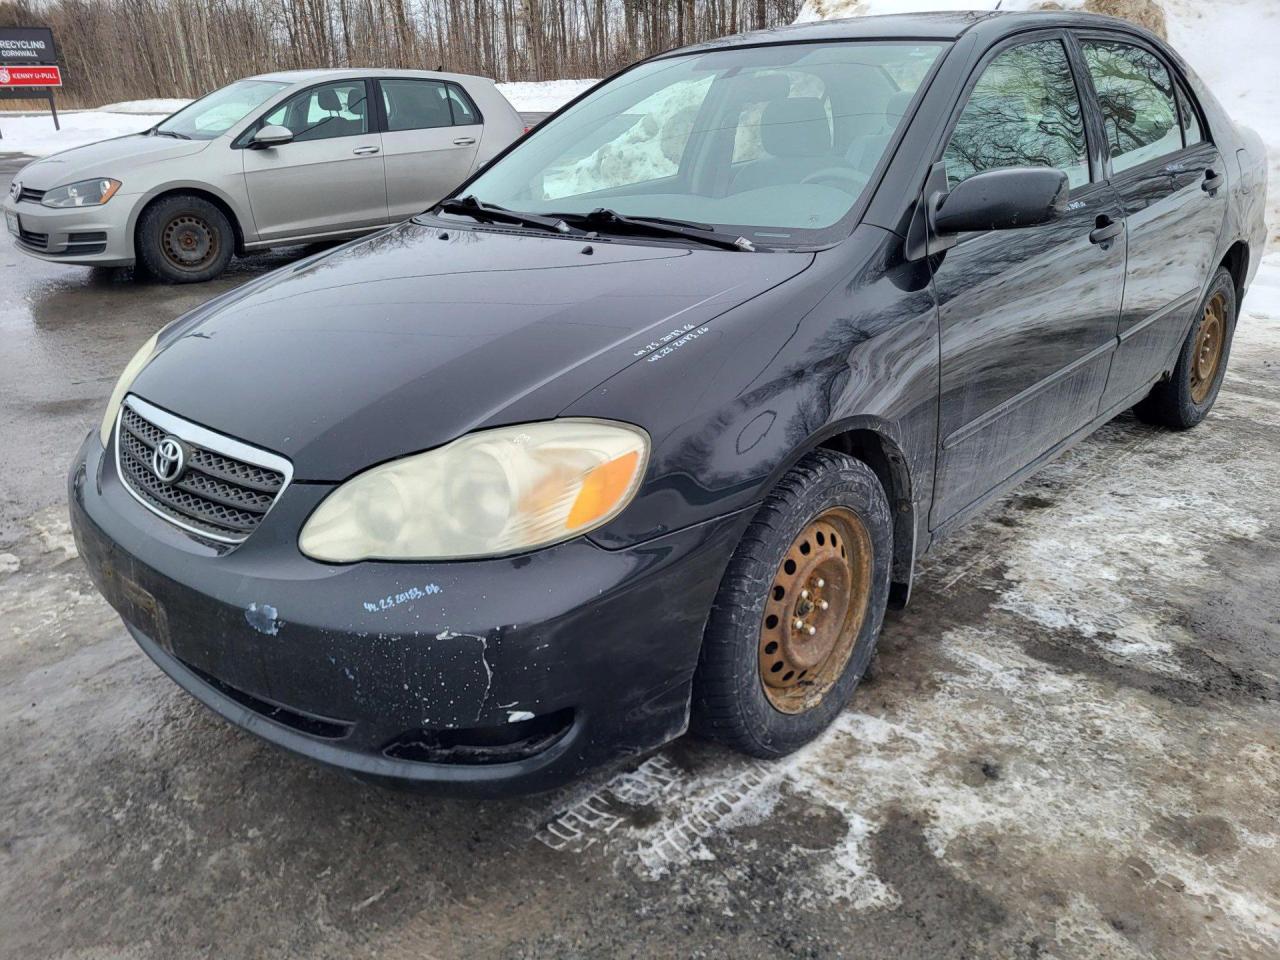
168	460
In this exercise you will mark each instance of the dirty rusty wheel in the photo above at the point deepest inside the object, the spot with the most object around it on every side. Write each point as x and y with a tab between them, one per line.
184	239
1206	354
794	624
1185	397
815	610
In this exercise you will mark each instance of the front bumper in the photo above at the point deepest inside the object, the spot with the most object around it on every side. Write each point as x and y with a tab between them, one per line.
99	236
592	650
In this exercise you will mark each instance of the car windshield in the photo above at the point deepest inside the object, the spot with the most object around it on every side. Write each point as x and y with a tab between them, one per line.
215	113
773	143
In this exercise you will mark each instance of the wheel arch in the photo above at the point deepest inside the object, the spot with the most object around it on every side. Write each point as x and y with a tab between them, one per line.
204	193
1236	260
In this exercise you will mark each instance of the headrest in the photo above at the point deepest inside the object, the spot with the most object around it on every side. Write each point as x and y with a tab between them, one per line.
795	127
327	99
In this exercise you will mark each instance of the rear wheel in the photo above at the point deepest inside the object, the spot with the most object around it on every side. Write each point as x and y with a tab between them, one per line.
184	239
795	622
1187	396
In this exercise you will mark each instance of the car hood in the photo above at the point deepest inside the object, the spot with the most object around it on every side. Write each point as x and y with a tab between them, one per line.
417	335
107	158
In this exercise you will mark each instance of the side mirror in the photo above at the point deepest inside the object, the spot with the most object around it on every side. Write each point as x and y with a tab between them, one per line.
1003	200
271	136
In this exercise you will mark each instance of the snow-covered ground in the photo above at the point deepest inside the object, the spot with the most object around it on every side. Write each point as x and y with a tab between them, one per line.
33	133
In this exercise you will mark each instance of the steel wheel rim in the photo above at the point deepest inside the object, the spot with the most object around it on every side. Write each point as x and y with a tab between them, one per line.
814	611
188	242
1206	355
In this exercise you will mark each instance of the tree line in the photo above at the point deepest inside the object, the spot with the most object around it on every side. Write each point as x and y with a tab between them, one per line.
115	50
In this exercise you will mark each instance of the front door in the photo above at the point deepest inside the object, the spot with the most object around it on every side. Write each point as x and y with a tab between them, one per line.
432	134
1027	316
1164	172
329	178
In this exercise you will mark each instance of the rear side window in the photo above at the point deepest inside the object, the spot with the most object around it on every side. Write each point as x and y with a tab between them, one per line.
1137	99
416	104
1190	122
1024	111
464	111
424	104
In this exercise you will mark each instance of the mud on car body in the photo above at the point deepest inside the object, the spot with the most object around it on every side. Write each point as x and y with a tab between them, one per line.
648	423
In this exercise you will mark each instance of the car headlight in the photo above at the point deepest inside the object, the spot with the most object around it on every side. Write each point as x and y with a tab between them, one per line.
85	193
486	494
130	373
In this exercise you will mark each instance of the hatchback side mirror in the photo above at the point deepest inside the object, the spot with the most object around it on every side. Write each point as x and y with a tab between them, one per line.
271	136
1003	200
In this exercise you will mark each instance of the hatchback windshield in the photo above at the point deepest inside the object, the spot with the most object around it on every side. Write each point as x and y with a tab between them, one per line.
216	113
773	143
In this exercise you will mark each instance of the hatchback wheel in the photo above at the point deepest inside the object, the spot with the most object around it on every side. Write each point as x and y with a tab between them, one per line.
1187	396
184	239
795	622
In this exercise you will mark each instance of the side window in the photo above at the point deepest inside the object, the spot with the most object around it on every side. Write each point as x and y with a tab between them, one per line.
1138	107
1024	111
321	113
415	104
1190	121
464	111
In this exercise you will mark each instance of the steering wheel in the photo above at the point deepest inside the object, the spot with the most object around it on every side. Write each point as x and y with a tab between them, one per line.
838	177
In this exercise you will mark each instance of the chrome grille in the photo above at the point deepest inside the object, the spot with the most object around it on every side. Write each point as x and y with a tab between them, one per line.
225	488
27	194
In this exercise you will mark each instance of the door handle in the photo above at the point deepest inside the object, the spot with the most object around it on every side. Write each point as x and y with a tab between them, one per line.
1212	181
464	141
1106	229
365	151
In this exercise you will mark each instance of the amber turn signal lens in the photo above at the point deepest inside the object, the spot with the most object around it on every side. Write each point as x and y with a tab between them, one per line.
602	489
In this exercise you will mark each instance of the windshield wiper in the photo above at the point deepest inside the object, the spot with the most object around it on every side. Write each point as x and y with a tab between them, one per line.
169	133
610	221
492	213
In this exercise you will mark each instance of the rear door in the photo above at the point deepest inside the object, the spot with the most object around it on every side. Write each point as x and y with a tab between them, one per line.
329	178
1171	181
1027	316
430	138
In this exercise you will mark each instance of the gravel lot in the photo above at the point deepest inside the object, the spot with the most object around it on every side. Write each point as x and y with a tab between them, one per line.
1070	748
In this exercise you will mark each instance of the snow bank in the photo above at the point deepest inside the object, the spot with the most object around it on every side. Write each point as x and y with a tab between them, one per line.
35	136
836	9
149	107
543	96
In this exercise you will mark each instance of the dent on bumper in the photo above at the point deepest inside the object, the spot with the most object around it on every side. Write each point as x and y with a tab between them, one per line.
603	640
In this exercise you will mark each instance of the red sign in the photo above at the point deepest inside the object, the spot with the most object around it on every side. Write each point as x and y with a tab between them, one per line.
30	77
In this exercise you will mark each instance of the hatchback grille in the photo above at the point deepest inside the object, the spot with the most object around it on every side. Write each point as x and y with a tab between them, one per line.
220	493
34	196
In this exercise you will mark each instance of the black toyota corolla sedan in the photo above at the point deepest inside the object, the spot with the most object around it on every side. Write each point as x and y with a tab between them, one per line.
645	427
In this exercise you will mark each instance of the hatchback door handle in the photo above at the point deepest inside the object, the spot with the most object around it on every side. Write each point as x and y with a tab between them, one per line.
1212	181
1106	229
364	151
464	141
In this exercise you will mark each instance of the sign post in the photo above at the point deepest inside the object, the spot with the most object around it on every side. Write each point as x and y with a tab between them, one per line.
29	66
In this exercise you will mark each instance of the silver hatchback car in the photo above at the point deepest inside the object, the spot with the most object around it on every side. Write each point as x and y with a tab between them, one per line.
275	159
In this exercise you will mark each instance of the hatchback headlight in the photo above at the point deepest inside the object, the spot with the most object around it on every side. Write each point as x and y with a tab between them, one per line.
129	374
85	193
486	494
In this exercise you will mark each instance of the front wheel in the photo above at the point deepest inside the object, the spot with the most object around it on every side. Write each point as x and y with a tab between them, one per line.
794	625
184	239
1185	399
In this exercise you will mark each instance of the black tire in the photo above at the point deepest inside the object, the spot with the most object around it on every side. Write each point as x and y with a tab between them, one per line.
184	239
730	703
1173	403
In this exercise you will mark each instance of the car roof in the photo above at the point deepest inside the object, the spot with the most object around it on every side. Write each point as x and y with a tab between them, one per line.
351	73
941	25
